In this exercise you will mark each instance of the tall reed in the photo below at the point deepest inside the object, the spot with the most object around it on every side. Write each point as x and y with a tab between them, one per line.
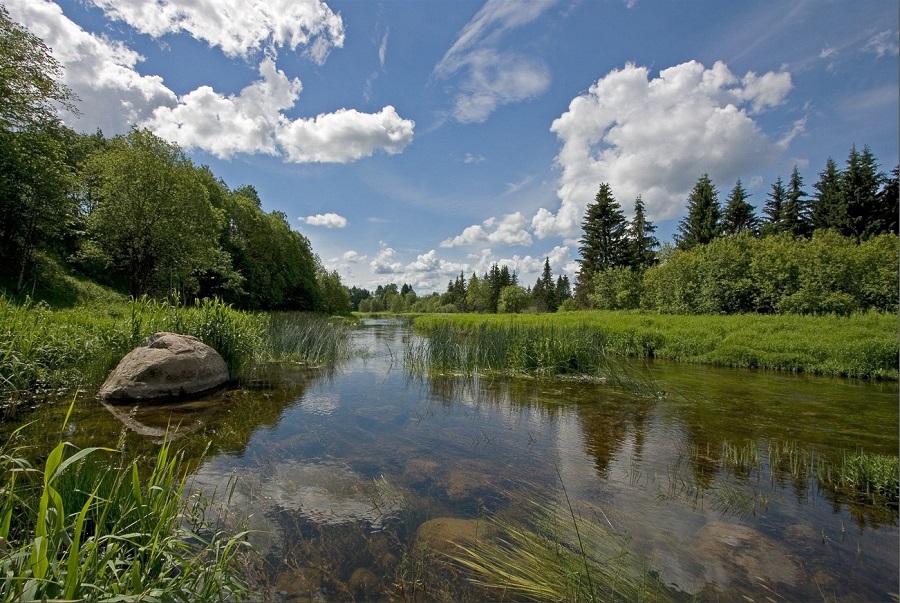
128	536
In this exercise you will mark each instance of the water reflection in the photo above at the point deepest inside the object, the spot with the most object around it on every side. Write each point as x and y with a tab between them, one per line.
336	472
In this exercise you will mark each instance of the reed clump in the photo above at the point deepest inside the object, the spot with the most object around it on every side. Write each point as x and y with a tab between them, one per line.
87	528
555	554
860	345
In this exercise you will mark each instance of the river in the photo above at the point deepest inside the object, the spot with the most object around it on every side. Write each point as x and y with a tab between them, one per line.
713	485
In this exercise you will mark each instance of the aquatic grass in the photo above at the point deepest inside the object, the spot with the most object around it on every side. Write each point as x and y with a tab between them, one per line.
128	536
860	345
511	349
870	474
308	338
555	554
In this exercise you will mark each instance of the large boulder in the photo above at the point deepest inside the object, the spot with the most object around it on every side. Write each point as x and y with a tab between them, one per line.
165	366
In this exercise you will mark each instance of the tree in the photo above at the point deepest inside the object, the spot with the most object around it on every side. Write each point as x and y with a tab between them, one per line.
335	297
739	216
153	223
828	206
35	205
641	242
794	213
604	243
478	294
889	204
701	225
544	292
513	299
30	87
860	184
563	289
774	210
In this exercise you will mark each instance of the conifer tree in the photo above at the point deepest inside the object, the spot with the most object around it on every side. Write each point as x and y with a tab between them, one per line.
701	225
794	213
860	184
739	215
889	203
774	210
828	209
604	244
641	242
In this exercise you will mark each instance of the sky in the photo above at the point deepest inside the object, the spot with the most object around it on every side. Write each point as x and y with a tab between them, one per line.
414	141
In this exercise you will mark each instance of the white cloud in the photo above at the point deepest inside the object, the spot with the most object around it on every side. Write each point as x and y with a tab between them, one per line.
352	257
494	77
470	158
508	231
385	262
114	96
238	27
885	43
345	135
655	137
328	220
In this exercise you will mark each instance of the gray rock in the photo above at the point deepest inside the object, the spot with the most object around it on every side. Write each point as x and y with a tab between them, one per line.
165	366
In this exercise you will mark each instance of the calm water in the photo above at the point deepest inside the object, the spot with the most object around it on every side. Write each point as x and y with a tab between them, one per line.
337	471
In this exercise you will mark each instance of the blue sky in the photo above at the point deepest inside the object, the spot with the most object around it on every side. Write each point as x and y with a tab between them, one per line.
410	141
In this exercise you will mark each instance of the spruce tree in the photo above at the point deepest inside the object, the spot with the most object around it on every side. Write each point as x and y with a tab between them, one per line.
889	204
739	215
774	210
828	207
794	213
860	184
544	291
701	225
604	244
641	242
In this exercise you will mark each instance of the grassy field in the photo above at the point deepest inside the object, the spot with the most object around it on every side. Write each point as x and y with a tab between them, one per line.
862	346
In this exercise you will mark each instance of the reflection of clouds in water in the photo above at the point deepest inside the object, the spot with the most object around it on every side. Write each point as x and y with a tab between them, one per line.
325	493
321	403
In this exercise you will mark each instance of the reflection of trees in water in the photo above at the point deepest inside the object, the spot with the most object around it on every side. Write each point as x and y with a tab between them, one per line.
607	421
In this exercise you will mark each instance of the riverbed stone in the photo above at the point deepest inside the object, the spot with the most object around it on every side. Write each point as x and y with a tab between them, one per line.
163	367
441	535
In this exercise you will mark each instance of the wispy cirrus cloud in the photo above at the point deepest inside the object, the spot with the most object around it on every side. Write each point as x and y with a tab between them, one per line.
493	76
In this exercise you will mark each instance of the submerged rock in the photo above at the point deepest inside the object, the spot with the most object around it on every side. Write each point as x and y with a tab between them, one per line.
165	366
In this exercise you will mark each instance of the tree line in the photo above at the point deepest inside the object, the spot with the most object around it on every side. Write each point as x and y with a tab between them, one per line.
132	211
495	291
834	250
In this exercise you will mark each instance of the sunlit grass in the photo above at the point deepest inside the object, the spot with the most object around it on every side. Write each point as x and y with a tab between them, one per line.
861	345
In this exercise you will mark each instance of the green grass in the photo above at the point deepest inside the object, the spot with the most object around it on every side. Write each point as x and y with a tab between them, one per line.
91	525
43	349
861	346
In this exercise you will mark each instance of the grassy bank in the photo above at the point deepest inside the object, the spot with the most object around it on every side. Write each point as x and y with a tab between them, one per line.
862	345
44	349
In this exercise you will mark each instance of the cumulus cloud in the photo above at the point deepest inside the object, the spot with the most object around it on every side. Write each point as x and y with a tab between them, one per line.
385	262
328	220
655	137
353	257
114	96
493	77
238	27
510	230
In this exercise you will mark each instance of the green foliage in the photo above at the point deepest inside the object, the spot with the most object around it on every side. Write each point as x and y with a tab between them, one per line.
30	88
617	288
825	274
152	222
335	298
604	244
127	536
